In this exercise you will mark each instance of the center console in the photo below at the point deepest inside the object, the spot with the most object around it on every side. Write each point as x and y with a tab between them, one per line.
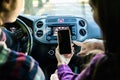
45	29
52	34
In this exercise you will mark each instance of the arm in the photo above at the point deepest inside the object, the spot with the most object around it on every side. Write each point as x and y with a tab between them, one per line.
38	73
54	76
20	66
25	65
65	73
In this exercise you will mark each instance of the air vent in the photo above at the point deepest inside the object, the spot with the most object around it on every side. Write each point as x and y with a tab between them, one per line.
39	33
82	32
82	23
39	24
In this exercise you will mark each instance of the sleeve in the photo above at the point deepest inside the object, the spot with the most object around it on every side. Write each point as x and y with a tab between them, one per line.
2	36
4	53
65	73
25	67
21	67
35	72
39	75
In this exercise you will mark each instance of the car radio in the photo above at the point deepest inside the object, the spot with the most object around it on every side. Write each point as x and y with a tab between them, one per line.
52	34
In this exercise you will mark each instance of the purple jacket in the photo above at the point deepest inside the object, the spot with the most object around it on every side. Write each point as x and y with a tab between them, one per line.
65	73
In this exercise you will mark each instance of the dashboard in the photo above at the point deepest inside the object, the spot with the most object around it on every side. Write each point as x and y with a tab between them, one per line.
45	29
44	33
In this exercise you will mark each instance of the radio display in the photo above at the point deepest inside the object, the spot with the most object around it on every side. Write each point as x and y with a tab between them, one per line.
56	29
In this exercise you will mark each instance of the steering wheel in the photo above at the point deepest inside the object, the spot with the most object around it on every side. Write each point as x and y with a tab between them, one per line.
21	39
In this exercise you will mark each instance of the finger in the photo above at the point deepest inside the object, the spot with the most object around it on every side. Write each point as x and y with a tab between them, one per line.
77	43
72	44
57	50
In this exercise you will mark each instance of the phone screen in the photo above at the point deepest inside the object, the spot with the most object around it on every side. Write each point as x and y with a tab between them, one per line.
64	41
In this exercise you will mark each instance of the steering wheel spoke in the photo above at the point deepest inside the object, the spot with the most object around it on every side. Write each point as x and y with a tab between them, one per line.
20	39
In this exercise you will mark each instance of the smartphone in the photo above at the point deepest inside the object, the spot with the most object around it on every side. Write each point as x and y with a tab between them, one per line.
64	41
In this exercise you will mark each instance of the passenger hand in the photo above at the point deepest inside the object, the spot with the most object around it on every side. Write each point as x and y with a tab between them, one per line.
54	76
63	58
77	43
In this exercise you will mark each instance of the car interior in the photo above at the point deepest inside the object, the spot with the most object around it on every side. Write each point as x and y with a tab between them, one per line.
37	36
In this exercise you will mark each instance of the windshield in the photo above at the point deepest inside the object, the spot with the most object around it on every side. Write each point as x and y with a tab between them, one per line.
58	7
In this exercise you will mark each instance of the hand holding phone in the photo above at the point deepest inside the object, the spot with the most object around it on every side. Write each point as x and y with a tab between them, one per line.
64	41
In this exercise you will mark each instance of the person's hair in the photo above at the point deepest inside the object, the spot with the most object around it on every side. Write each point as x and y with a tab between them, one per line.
109	21
1	1
4	8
